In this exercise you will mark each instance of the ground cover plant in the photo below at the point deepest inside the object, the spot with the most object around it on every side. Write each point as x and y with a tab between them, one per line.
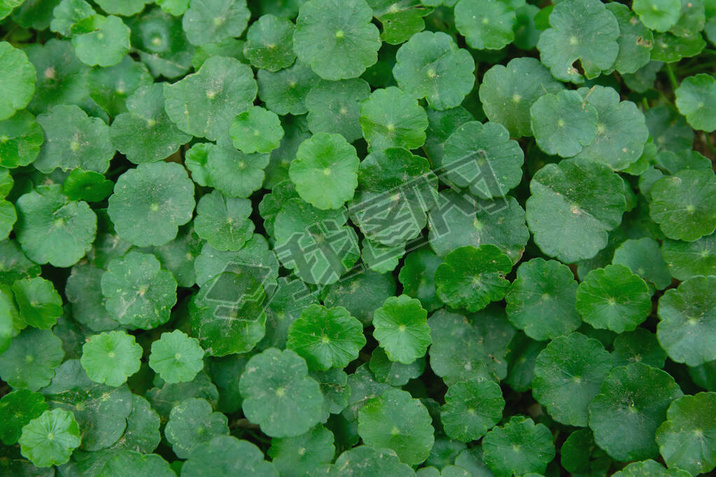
458	238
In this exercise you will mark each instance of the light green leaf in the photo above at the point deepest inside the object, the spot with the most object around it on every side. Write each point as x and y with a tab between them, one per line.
105	44
211	21
394	420
38	302
232	172
686	440
688	314
176	357
111	357
365	461
21	137
659	15
471	409
334	107
635	40
227	455
50	439
72	139
518	447
485	24
224	222
336	38
693	97
430	65
644	258
568	374
325	171
613	298
688	259
401	329
541	300
392	118
279	395
52	229
684	204
326	337
31	359
18	82
269	43
203	104
193	423
256	130
580	30
296	456
564	123
139	293
87	185
150	202
284	92
574	204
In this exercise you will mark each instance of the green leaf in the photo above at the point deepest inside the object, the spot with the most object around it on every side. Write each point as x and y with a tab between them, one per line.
334	107
72	140
635	40
401	329
687	316
391	372
110	87
459	221
574	204
325	171
84	291
131	463
471	409
326	337
203	104
106	45
417	275
580	30
659	15
508	92
18	82
472	277
52	229
39	303
284	92
224	222
361	294
227	455
365	461
166	397
17	409
669	129
50	439
254	255
394	420
111	357
683	205
31	359
400	20
688	259
210	21
336	38
441	125
232	172
630	406
279	395
613	298
430	65
482	338
150	202
494	155
176	357
649	468
621	129
638	346
564	123
145	133
139	293
256	130
286	305
392	118
568	374
644	258
296	456
300	225
686	439
87	185
192	423
142	434
692	98
269	43
518	447
485	24
20	140
541	300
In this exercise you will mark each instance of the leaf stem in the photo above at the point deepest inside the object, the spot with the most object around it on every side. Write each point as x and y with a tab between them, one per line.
672	77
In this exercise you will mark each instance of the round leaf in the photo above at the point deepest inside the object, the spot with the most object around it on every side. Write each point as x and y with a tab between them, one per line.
334	107
18	82
256	130
111	357
224	222
38	302
692	98
269	43
21	137
401	328
485	24
16	410
50	439
192	423
176	357
518	447
227	455
659	15
105	45
471	409
563	123
392	118
211	21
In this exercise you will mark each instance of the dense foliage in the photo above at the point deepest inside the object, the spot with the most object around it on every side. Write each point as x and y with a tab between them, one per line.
458	238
